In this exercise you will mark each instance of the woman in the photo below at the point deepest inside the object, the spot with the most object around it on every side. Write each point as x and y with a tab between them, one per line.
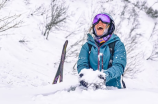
96	54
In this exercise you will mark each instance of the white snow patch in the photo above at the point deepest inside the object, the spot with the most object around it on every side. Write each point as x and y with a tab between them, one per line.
27	69
100	55
91	76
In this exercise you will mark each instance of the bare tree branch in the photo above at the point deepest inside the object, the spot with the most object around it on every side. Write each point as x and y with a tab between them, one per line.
58	16
8	22
154	54
3	3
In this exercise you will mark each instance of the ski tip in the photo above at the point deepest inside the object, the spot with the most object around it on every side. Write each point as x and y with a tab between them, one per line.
66	42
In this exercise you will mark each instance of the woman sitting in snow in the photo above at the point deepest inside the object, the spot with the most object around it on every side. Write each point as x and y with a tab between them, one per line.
104	52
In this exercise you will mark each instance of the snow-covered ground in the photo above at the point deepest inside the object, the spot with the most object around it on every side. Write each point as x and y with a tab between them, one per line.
27	68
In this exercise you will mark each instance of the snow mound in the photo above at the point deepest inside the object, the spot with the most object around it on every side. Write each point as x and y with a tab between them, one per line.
92	77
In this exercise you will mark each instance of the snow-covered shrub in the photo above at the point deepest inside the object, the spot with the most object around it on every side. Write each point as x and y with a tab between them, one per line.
154	40
153	13
9	21
142	5
58	15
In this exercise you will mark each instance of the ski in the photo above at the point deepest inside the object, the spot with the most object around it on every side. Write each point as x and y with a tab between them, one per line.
59	74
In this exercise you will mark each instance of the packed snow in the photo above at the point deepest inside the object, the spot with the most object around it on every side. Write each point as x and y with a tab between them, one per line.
28	62
92	77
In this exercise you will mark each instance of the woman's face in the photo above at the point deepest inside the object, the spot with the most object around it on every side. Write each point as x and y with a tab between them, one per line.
100	28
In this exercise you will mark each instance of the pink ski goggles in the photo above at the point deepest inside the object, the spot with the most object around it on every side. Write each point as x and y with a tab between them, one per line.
105	18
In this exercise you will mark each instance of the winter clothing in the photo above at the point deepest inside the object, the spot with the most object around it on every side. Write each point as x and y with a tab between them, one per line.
104	17
83	83
102	40
99	58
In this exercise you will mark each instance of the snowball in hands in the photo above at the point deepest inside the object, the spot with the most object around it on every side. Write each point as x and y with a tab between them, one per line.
92	77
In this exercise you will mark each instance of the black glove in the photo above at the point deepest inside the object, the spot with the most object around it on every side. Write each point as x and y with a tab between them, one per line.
83	83
101	77
81	75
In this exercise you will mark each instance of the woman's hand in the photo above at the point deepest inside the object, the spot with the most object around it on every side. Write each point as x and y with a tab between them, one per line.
94	79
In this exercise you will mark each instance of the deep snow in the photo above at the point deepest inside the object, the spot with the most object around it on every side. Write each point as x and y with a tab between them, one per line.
27	69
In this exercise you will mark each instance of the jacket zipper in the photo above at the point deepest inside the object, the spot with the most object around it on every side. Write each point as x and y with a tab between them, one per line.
102	62
100	58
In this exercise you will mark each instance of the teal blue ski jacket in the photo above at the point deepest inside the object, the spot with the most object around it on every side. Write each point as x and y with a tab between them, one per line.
98	59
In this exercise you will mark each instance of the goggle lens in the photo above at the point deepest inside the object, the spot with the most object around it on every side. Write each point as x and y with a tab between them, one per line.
103	17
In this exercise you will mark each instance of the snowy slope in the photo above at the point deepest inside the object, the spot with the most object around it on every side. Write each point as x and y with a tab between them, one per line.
27	68
45	95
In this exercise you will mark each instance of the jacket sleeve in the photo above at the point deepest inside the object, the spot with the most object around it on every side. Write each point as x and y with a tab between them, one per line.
83	59
119	62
